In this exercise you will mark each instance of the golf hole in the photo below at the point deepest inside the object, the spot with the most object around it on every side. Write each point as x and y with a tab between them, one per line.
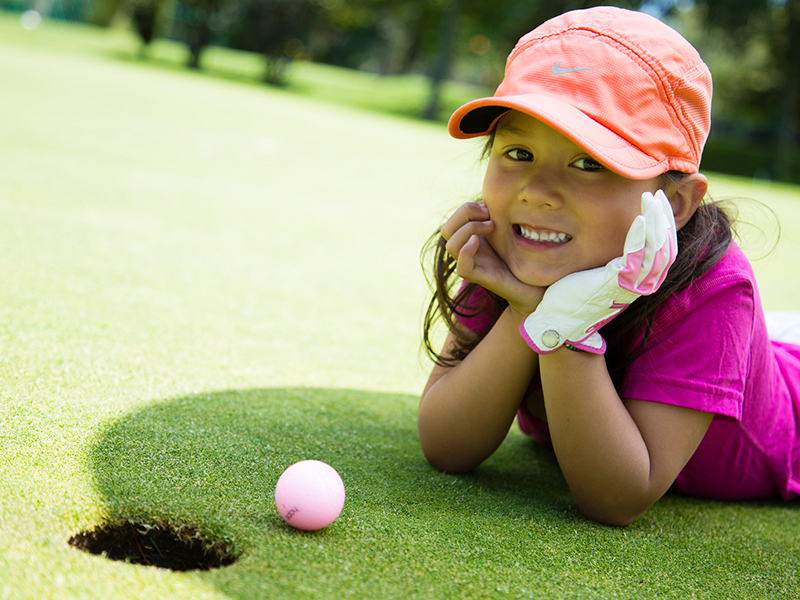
178	548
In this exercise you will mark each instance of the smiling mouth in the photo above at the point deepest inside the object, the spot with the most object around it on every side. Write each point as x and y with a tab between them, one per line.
552	237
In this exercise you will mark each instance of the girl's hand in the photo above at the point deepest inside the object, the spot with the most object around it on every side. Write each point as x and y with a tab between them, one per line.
578	305
477	262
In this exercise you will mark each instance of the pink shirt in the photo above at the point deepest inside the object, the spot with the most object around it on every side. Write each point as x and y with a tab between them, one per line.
709	351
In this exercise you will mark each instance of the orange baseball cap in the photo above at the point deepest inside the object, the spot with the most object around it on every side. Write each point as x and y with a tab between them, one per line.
621	84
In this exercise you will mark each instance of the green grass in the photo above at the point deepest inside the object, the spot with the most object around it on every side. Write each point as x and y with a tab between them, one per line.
203	280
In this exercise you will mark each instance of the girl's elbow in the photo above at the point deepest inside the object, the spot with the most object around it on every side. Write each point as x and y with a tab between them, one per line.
446	456
442	451
614	515
613	520
446	461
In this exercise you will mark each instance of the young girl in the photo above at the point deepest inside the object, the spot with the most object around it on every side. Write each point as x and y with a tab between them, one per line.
604	303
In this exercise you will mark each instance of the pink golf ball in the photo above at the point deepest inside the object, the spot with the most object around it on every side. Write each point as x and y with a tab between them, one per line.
309	495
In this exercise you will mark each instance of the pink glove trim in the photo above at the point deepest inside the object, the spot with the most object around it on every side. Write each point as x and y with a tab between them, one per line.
652	281
590	349
654	278
627	278
585	347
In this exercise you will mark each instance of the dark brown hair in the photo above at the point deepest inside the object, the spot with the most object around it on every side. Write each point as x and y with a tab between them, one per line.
701	243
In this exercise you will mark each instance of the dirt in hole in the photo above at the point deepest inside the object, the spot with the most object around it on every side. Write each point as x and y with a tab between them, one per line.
178	548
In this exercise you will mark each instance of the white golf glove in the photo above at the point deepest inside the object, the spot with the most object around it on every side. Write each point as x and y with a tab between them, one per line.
575	307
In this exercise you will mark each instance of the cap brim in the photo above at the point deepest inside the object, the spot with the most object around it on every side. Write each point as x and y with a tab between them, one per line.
479	117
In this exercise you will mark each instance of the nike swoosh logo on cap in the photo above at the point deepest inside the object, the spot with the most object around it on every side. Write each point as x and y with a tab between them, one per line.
558	70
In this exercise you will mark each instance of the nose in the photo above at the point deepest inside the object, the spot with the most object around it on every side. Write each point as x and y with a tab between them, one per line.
541	188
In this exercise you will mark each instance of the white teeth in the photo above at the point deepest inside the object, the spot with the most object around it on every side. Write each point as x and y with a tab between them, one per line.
544	236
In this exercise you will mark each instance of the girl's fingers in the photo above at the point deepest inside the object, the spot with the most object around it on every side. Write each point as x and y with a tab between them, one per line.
479	264
471	248
466	258
460	238
466	213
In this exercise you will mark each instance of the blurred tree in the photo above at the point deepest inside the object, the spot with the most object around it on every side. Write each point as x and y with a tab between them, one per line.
754	45
789	53
768	93
376	35
145	18
195	23
103	11
449	18
504	21
278	29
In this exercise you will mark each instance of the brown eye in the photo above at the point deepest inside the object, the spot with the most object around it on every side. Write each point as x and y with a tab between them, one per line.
588	164
520	155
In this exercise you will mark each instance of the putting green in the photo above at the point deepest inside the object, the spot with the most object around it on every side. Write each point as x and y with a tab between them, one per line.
204	280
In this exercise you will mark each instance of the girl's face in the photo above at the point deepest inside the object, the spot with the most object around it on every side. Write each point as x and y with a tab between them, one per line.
555	209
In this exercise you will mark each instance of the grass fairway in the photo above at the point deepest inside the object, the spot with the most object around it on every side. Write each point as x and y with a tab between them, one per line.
203	281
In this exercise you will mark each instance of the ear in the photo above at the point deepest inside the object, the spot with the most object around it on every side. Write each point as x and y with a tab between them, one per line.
686	195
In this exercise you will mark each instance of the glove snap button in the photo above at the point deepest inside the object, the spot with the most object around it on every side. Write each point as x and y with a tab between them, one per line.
550	338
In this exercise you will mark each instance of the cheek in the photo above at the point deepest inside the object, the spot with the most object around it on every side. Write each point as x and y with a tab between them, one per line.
610	234
620	234
495	187
488	191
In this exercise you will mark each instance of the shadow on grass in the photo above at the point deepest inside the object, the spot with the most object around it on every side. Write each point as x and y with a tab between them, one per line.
211	462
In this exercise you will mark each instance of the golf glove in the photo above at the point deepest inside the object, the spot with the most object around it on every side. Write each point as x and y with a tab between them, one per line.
575	307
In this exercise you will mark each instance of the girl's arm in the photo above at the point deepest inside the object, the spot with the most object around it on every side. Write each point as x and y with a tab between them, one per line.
618	457
466	411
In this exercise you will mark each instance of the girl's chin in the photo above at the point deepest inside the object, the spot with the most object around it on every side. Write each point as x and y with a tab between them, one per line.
541	281
538	274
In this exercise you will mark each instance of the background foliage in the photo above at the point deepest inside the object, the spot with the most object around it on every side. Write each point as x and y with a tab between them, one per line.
752	47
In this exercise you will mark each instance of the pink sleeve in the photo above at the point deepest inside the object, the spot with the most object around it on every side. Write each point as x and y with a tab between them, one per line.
477	318
698	355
